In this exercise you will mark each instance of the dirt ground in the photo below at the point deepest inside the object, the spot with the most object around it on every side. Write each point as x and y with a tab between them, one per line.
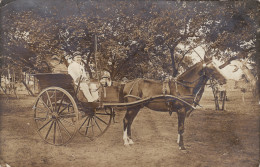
212	138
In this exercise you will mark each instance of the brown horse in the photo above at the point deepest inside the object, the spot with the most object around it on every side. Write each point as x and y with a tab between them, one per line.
187	88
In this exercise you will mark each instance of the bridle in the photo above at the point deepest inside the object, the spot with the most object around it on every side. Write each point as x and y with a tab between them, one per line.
204	76
201	79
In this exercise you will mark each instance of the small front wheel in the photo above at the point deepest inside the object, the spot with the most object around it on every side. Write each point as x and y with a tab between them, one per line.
95	123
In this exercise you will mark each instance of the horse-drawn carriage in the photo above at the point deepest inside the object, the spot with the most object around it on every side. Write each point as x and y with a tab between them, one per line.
60	112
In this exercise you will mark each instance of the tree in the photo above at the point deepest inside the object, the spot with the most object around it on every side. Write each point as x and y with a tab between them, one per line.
147	37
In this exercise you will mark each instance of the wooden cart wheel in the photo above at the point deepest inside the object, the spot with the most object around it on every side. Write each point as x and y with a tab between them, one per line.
56	116
95	123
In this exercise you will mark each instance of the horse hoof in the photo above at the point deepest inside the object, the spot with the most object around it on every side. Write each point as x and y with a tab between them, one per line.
130	142
182	148
184	151
127	145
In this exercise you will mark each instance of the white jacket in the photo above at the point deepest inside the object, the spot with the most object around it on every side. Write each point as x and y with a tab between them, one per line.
76	70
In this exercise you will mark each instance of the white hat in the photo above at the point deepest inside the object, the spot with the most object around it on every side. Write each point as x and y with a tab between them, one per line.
76	54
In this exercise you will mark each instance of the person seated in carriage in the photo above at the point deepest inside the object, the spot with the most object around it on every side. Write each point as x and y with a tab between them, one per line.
77	72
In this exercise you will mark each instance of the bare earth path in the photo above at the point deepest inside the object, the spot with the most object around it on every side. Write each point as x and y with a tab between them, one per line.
212	138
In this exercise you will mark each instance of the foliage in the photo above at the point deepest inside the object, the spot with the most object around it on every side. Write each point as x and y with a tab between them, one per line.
134	39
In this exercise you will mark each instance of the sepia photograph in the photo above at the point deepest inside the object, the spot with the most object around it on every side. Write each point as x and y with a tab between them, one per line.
129	83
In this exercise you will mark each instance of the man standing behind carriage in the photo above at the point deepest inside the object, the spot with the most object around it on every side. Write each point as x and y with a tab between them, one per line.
77	71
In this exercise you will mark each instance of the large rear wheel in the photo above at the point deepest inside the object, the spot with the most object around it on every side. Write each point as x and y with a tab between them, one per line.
56	116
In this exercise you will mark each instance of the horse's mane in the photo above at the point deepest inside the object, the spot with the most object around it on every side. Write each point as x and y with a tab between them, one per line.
188	72
151	80
180	77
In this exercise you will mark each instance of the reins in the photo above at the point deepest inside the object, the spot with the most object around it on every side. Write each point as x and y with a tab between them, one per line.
185	83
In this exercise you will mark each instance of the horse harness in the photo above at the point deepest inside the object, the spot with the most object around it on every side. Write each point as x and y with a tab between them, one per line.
167	91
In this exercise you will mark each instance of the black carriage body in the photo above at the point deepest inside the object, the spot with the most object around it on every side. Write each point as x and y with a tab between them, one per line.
65	81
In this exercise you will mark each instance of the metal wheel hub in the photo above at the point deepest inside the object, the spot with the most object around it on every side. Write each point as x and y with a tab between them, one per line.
55	115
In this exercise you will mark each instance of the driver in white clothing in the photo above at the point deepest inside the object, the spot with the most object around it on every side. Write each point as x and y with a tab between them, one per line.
77	71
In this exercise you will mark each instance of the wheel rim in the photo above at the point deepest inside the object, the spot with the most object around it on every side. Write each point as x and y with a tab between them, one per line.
56	116
95	123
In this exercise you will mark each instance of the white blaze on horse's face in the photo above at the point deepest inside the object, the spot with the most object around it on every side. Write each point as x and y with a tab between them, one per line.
214	72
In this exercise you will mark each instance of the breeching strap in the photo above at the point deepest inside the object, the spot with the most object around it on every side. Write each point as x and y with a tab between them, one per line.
133	86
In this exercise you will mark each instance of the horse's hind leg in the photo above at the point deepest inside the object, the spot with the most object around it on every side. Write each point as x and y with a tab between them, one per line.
181	118
128	120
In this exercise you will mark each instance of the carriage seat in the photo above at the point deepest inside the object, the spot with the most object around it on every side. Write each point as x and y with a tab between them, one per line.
61	80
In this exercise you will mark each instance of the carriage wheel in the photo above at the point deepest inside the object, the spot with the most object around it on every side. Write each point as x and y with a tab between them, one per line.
56	116
95	123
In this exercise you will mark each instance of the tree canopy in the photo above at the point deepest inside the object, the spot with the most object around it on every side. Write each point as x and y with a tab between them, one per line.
148	39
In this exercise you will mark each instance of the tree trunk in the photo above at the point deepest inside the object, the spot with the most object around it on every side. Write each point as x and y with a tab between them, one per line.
28	89
249	76
174	69
215	95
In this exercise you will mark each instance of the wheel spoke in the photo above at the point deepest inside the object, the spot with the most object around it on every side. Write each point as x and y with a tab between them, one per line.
64	128
67	122
49	99
98	125
70	115
54	135
49	131
60	103
44	125
60	132
84	122
67	106
45	104
55	97
103	113
92	126
87	127
101	120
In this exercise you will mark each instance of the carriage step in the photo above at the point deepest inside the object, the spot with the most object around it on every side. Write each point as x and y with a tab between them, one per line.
85	107
90	105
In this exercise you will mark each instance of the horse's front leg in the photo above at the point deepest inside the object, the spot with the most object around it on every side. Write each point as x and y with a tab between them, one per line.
181	118
128	120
